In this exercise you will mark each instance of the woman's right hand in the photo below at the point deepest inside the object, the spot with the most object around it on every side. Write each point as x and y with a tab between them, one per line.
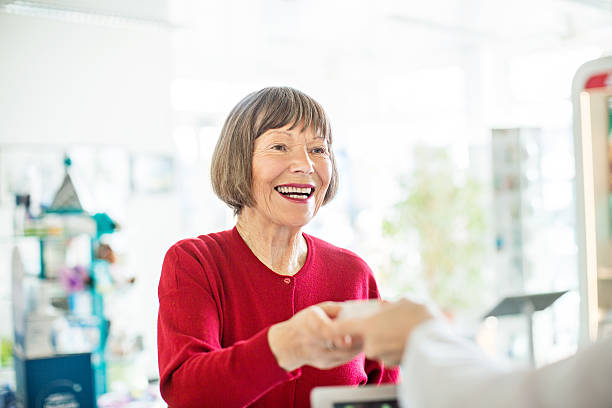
384	334
308	338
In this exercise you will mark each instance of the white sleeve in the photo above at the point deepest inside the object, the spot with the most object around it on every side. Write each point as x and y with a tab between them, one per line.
440	370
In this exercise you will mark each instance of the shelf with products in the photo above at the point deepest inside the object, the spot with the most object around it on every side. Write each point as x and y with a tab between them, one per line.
64	309
534	230
62	267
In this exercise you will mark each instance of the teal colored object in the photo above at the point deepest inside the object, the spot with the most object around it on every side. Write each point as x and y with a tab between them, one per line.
65	211
98	270
97	356
104	224
85	373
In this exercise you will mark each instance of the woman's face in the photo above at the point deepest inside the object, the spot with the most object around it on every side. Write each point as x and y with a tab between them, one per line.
291	173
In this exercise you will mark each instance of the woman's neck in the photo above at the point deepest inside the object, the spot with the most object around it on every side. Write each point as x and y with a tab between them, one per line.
282	249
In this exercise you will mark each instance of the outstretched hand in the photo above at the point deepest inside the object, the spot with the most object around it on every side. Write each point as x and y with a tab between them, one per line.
385	333
308	338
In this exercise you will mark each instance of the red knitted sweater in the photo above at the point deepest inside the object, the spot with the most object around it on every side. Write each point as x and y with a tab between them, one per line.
216	303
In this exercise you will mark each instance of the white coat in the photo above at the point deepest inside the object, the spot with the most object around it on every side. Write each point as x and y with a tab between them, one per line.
442	370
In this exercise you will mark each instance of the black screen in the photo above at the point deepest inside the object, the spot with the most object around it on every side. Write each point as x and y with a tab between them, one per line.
392	403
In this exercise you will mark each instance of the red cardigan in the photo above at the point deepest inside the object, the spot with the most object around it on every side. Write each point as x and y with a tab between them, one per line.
216	303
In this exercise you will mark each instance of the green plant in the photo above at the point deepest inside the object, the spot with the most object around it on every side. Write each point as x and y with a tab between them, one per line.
442	211
6	352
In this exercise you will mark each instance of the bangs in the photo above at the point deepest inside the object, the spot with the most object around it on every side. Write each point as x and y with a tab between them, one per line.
279	107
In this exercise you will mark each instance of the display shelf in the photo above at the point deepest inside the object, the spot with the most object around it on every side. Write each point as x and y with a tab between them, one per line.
62	260
514	153
84	325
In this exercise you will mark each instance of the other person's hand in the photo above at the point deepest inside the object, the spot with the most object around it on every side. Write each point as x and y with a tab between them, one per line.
308	339
385	333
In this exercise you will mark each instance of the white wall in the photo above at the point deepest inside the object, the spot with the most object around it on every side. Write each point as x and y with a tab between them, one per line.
97	80
64	81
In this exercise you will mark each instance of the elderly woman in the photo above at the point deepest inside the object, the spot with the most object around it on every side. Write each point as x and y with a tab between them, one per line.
242	313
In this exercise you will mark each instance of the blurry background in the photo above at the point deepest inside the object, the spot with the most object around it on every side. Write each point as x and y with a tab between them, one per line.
452	130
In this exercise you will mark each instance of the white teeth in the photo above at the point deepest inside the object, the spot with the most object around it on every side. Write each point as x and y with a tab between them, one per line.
296	196
288	190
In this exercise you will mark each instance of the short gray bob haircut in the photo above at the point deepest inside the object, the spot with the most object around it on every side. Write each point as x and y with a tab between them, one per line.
258	112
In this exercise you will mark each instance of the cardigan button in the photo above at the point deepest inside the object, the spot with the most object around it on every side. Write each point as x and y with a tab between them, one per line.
287	280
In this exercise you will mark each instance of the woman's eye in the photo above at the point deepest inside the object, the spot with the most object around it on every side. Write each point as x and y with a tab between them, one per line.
319	150
279	147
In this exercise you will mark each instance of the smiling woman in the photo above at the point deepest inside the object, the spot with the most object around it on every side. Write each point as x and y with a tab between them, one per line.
244	317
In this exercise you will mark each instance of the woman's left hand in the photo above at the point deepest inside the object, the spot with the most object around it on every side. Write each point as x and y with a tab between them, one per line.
308	338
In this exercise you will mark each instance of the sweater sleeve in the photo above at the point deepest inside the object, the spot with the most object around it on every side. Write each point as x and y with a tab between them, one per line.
379	374
194	369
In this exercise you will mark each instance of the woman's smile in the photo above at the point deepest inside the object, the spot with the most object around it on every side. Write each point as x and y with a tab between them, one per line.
297	193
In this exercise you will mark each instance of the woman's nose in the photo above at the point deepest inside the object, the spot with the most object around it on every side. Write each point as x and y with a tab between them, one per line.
301	161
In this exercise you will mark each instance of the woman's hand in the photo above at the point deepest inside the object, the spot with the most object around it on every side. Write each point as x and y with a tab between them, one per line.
385	333
308	339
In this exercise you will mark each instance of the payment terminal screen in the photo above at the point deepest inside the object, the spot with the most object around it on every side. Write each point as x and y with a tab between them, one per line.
369	404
